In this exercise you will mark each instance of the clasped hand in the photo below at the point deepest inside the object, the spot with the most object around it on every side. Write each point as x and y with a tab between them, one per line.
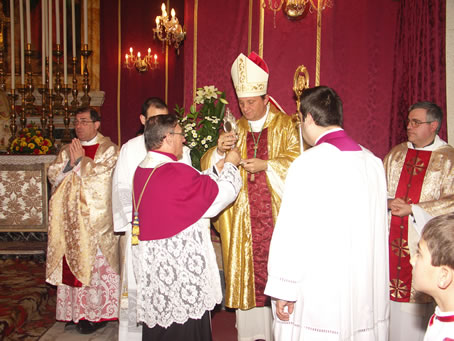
399	207
76	151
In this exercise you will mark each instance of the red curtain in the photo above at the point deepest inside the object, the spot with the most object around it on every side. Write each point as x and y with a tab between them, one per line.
356	58
419	61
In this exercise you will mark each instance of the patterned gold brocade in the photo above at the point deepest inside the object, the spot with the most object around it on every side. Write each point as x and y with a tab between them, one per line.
437	198
84	223
234	223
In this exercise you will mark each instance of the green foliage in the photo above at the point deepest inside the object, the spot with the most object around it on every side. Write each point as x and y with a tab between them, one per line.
202	123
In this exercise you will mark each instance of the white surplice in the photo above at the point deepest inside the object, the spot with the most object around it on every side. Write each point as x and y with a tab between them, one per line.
329	250
131	155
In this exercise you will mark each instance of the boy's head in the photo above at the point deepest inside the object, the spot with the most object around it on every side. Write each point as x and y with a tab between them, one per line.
433	266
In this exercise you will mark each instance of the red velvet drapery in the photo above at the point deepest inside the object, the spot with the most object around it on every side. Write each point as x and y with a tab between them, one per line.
419	61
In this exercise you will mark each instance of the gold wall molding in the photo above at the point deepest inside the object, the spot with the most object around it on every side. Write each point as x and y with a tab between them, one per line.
194	62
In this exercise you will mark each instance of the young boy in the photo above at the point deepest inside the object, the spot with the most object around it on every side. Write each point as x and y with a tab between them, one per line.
433	273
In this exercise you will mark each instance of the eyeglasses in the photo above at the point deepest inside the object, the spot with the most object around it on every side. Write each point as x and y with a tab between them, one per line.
174	133
83	123
415	123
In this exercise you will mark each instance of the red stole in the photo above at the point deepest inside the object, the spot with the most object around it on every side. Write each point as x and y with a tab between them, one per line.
176	197
261	215
409	189
68	277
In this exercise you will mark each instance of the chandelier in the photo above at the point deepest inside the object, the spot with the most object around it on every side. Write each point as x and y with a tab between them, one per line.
144	64
168	30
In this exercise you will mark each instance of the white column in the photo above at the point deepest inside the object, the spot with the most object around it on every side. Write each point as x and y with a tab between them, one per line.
65	46
22	42
13	66
50	44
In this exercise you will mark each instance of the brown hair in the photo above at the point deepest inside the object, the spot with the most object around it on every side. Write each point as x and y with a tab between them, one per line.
439	236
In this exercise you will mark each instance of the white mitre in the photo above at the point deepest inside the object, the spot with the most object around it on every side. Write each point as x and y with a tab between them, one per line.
249	79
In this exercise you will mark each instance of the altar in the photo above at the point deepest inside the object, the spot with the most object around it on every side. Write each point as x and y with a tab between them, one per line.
24	192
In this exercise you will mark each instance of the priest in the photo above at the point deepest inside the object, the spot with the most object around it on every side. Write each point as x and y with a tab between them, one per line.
175	265
268	141
131	155
82	253
420	174
327	269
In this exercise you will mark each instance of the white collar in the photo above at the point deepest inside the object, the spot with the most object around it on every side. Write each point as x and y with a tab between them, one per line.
93	141
438	142
153	159
256	126
326	133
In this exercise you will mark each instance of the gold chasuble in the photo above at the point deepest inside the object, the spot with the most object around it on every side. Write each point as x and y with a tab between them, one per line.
83	223
424	178
234	223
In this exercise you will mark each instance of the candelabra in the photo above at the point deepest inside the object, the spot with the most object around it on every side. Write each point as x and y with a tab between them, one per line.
168	30
86	82
74	102
12	126
144	64
66	134
58	98
29	98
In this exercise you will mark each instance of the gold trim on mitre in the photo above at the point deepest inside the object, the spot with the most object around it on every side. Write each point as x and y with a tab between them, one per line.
248	78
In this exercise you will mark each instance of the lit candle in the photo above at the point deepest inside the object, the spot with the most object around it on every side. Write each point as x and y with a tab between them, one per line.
57	20
85	22
127	61
43	41
163	8
73	23
130	51
155	58
172	13
27	19
13	66
65	46
138	55
149	51
50	44
22	48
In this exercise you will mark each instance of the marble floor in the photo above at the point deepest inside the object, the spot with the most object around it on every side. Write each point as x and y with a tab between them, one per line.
223	324
59	332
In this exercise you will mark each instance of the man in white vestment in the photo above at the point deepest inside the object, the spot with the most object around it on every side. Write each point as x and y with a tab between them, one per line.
420	177
178	281
131	154
328	264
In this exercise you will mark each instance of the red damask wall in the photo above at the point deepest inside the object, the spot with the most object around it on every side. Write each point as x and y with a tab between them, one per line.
361	47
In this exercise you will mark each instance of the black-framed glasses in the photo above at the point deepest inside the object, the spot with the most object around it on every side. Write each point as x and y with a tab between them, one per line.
82	122
415	123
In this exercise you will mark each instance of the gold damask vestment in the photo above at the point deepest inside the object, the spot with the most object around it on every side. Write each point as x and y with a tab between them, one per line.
80	214
436	198
234	223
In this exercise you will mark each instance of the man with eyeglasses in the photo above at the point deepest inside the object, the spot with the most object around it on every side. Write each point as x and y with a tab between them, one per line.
420	175
131	155
82	256
178	281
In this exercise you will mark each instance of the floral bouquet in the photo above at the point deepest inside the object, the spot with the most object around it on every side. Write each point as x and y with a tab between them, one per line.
201	125
30	140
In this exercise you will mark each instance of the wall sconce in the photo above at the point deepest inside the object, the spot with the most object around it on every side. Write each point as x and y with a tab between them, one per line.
144	64
168	30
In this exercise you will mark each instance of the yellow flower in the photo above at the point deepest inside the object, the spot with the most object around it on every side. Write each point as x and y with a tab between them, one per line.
23	144
44	148
31	145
